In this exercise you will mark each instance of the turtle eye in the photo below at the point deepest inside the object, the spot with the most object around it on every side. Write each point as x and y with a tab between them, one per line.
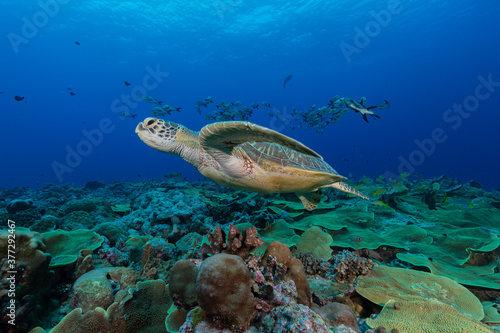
150	122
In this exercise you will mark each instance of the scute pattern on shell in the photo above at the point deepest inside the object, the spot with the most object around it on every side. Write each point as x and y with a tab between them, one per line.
269	155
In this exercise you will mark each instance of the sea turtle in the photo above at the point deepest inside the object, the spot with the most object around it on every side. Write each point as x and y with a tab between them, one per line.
245	156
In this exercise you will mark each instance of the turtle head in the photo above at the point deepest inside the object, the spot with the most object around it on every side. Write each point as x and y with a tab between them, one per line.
170	138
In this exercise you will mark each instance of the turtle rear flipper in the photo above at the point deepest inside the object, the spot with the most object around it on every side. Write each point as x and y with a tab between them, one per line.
310	200
348	189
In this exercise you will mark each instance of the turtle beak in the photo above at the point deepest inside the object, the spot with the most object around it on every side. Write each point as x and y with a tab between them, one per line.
139	128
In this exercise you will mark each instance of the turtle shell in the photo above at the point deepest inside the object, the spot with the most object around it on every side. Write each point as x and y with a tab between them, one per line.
274	157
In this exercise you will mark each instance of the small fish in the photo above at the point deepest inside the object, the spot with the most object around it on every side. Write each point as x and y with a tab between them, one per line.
77	43
18	98
255	106
72	93
380	203
127	115
378	192
149	99
355	238
267	105
287	79
384	105
127	83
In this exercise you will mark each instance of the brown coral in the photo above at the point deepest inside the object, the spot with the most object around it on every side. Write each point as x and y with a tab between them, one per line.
224	290
336	314
183	284
239	243
295	271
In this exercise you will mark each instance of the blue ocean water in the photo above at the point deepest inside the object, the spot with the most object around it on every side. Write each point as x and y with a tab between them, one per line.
435	61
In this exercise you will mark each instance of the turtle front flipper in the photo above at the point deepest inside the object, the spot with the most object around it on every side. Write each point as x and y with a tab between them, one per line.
348	189
310	200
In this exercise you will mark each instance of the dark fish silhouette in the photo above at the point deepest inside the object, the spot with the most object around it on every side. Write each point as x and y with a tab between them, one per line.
386	104
72	93
149	99
77	43
127	115
1	92
18	98
287	79
429	198
127	83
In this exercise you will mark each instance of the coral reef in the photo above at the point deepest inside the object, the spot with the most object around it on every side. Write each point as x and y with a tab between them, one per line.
87	264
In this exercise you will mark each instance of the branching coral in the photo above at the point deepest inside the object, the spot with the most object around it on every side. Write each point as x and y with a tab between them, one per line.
239	243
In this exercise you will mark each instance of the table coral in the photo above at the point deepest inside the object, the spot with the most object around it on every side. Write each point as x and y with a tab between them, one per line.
69	243
425	316
402	284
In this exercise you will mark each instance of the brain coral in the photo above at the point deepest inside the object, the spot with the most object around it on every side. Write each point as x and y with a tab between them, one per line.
224	289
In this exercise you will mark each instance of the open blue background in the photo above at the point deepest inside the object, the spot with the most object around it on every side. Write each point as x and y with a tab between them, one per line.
426	59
